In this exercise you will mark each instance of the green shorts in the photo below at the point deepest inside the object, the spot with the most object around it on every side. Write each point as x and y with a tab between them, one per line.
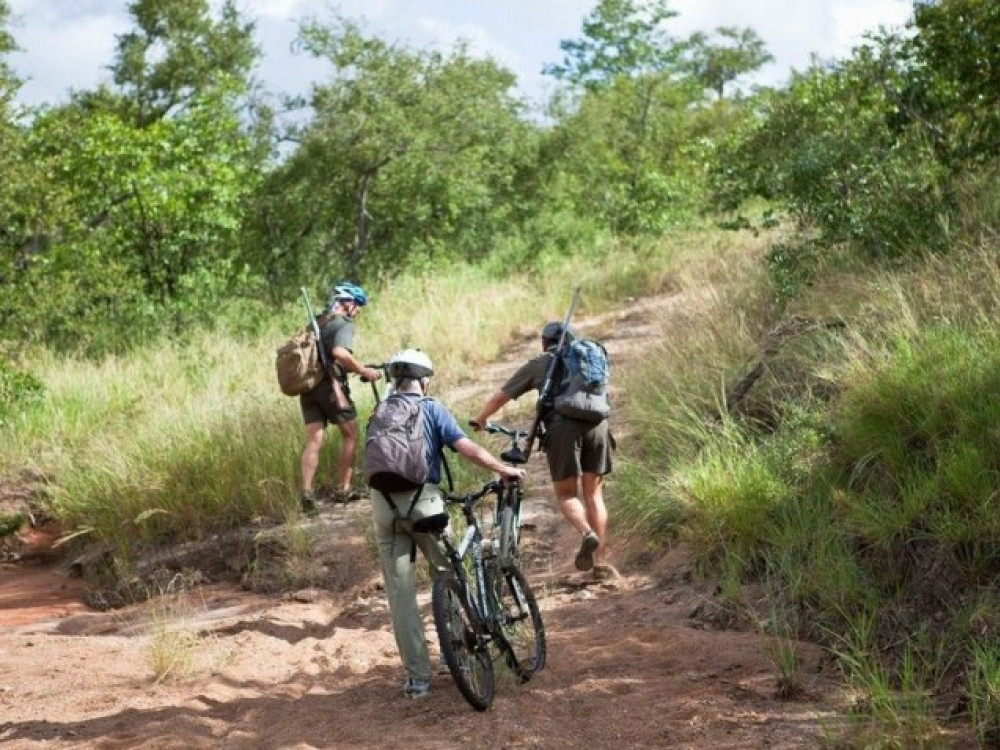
574	448
318	406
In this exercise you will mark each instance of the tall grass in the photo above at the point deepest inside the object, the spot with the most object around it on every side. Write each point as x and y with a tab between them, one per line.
186	437
861	471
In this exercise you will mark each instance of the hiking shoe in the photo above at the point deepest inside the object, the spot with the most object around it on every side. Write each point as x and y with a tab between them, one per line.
307	501
414	688
585	557
353	496
605	572
343	497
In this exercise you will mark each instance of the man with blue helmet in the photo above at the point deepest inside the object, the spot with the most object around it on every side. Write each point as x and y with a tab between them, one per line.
330	401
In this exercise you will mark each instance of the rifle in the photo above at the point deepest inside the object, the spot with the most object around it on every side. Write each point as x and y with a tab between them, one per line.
339	399
545	392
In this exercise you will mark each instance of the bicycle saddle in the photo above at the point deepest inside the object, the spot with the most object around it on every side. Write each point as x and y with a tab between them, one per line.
514	456
431	524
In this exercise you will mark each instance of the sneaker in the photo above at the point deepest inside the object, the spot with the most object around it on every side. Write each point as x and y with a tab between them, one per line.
414	688
585	557
307	501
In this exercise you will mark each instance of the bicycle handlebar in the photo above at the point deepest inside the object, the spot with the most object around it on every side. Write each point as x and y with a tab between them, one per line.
469	499
383	366
493	428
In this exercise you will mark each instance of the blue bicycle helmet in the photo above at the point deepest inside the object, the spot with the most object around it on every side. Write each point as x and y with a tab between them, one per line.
348	291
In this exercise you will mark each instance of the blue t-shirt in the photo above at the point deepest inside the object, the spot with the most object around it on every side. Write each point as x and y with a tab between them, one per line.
441	430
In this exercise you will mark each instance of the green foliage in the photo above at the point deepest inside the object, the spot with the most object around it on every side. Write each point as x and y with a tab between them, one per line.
625	155
956	59
18	390
125	233
11	523
621	38
873	152
823	149
736	52
410	155
177	52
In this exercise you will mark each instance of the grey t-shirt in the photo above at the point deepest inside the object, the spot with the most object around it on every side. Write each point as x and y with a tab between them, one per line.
337	331
529	377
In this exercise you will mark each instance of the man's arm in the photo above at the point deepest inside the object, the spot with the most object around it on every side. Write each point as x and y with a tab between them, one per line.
349	362
493	403
482	457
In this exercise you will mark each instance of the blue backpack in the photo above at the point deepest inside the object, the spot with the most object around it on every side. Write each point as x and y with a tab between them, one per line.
583	390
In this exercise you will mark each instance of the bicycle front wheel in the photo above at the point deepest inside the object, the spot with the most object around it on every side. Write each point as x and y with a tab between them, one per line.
465	651
521	622
510	525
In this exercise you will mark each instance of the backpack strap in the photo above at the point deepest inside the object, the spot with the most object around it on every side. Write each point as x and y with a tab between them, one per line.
396	517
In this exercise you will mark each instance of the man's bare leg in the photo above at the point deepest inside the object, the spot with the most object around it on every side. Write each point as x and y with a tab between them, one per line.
310	454
597	512
345	459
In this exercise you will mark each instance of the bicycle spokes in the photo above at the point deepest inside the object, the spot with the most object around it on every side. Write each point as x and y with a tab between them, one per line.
520	622
465	650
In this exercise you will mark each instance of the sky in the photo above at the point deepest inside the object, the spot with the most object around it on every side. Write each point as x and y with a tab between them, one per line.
69	44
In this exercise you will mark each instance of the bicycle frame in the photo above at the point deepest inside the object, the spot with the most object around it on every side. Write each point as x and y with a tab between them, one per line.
472	543
511	496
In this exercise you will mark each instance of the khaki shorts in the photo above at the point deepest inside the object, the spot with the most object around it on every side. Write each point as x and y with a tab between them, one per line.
318	406
574	448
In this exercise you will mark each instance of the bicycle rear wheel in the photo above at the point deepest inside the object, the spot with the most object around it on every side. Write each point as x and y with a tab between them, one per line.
520	621
465	651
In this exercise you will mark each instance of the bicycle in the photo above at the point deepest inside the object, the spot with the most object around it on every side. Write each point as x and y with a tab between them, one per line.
482	604
507	517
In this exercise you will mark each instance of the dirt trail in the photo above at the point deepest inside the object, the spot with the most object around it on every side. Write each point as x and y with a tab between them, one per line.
634	663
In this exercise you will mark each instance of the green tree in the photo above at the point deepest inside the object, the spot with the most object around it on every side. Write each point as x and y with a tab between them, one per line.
125	226
620	38
719	61
828	150
953	88
621	143
410	154
621	154
177	51
127	232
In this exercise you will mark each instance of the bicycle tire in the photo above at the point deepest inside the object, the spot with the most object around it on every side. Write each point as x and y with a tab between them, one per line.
510	527
520	621
465	652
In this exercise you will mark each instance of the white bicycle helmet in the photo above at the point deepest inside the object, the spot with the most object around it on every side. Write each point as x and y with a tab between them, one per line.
410	363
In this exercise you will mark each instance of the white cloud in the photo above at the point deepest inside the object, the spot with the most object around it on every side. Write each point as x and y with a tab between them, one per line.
63	46
70	43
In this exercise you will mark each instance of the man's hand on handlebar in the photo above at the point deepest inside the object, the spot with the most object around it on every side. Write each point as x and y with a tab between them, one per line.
513	474
369	374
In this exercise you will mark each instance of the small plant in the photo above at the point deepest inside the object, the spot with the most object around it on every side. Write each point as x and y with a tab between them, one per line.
10	523
17	390
781	647
174	650
984	694
891	709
